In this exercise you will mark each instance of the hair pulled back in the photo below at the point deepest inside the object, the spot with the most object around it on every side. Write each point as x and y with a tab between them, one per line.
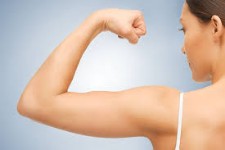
205	9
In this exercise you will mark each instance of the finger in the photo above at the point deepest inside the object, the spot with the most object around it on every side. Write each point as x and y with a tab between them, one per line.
120	37
141	30
133	38
139	25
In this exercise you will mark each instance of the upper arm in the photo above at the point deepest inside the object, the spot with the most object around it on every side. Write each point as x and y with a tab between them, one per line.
131	112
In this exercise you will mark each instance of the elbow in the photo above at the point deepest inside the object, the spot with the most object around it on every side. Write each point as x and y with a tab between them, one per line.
27	106
21	109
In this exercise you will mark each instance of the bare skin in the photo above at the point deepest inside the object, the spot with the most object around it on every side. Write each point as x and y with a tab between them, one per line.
148	111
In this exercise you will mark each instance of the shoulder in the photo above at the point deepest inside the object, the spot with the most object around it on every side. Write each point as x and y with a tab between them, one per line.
162	95
165	111
158	92
156	107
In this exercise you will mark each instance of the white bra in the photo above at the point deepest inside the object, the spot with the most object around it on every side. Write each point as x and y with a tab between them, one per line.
179	121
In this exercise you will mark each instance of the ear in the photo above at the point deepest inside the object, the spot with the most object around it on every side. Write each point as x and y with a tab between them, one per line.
217	27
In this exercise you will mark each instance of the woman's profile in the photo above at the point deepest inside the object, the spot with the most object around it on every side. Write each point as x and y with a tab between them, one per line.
169	118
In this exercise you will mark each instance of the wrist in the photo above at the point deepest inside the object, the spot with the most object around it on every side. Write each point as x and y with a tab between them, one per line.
99	20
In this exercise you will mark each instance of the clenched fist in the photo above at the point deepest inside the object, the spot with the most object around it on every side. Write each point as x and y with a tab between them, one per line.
127	24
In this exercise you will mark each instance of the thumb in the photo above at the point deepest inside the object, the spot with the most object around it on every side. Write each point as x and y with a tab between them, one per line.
133	37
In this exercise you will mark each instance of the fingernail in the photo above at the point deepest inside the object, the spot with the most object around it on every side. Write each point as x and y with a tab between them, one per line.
120	37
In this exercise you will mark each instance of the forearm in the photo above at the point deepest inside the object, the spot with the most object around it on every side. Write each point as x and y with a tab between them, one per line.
56	73
46	99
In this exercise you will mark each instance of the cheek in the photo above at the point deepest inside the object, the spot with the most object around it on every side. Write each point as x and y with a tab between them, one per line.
196	48
192	47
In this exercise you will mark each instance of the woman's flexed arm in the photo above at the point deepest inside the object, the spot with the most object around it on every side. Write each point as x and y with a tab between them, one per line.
110	114
56	73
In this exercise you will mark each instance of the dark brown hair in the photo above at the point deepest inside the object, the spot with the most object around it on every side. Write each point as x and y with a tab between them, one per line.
205	9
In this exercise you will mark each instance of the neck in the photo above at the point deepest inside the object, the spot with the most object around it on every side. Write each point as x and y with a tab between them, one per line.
218	72
218	80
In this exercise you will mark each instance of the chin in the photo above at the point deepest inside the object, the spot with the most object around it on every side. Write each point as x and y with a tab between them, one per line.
201	78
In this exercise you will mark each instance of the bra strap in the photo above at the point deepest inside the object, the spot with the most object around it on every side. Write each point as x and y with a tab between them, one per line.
179	121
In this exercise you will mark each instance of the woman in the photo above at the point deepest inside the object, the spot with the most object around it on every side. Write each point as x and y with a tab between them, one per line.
155	112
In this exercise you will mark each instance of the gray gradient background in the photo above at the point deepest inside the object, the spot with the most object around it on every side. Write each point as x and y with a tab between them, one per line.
30	30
